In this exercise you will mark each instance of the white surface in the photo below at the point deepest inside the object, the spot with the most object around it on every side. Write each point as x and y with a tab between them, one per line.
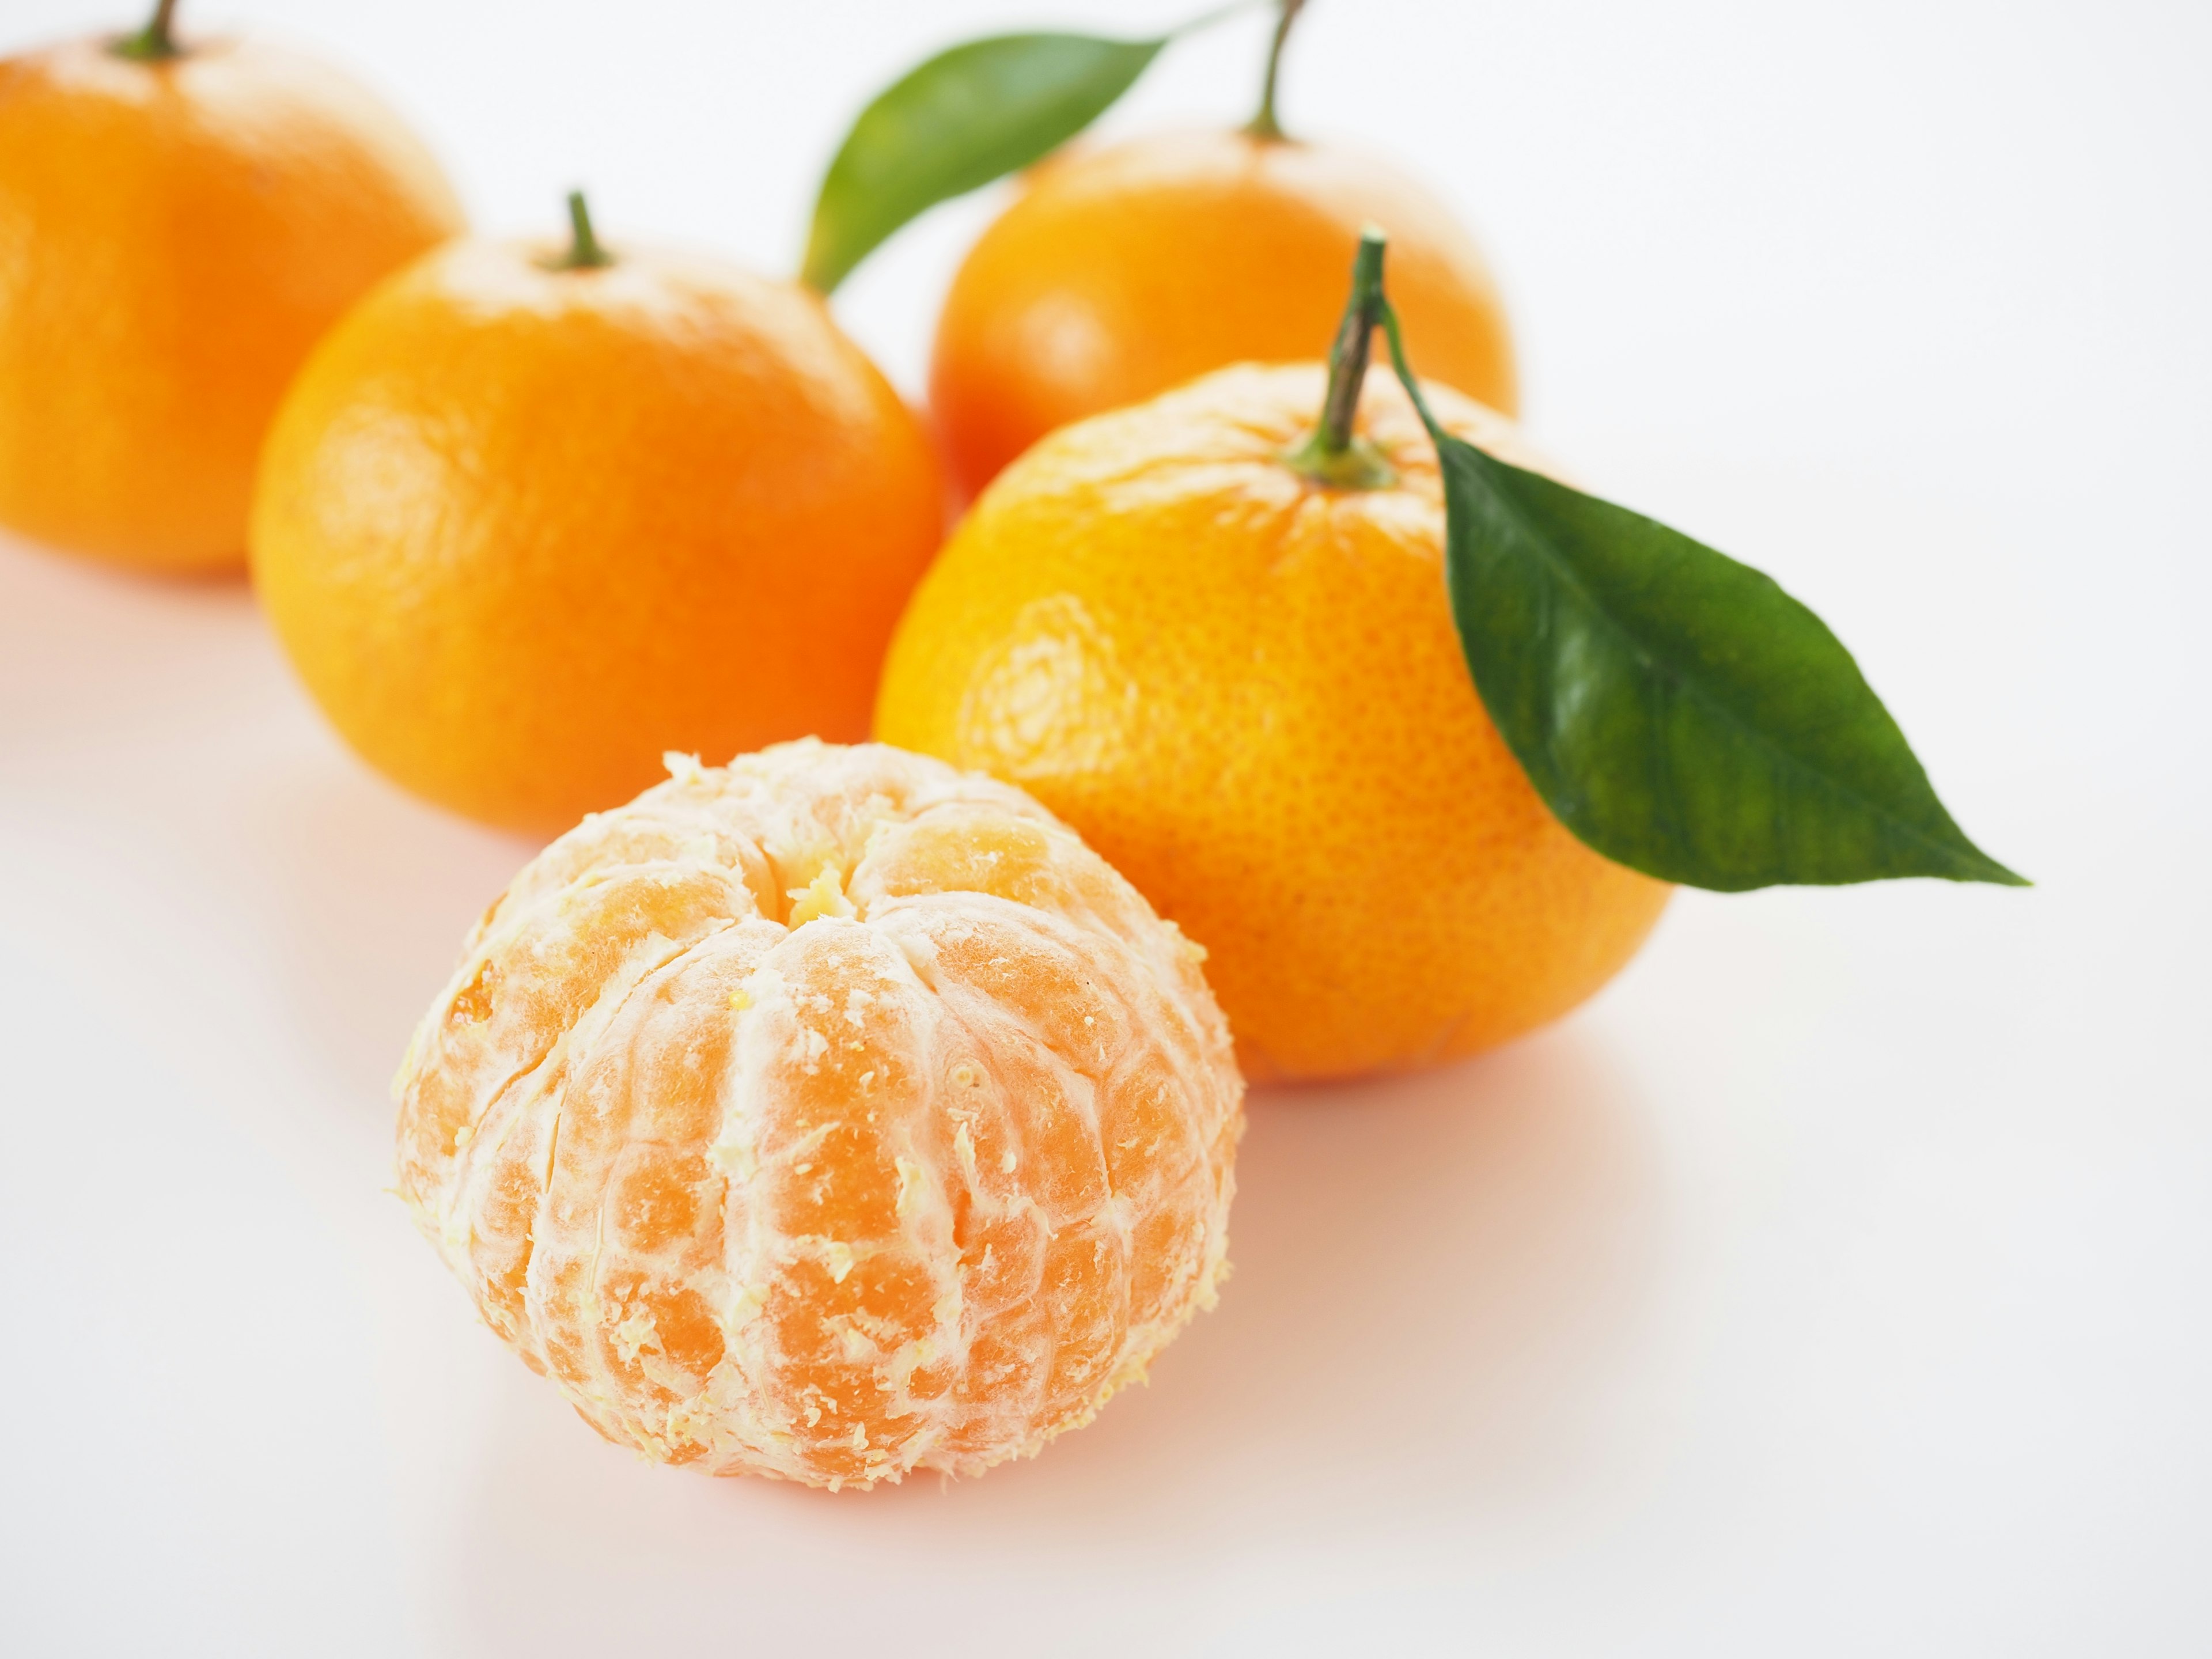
1840	1282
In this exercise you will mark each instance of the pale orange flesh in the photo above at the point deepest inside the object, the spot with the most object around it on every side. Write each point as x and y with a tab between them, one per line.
826	1117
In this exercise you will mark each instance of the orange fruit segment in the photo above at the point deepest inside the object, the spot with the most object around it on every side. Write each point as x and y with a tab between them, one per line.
174	237
523	529
1246	691
828	1116
1123	271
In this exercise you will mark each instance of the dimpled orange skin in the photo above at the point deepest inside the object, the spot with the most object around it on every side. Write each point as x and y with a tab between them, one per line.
522	530
1246	691
826	1117
1123	272
174	238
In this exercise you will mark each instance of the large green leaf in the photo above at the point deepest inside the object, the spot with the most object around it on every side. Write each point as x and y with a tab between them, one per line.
970	114
1677	710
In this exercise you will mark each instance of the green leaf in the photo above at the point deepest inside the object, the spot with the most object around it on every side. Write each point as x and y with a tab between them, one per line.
1677	710
970	114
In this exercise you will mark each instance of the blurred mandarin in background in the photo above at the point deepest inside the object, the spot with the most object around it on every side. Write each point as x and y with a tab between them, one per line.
181	219
1122	272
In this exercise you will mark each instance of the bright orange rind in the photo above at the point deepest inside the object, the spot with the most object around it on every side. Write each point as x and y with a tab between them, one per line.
175	238
522	527
1244	688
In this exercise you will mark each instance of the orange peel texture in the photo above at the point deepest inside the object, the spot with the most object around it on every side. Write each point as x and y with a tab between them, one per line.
826	1116
175	238
1245	688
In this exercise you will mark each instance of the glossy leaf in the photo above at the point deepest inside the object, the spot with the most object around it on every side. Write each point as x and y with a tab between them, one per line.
1677	710
970	114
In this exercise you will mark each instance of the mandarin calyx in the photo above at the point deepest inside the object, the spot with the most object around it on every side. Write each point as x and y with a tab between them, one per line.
1334	454
157	41
584	251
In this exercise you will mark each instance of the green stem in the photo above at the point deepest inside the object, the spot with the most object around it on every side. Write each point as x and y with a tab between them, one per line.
1264	124
1388	318
1333	454
584	253
155	43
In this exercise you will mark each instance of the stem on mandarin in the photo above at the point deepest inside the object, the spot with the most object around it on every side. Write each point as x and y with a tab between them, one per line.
1333	454
585	252
1264	124
156	41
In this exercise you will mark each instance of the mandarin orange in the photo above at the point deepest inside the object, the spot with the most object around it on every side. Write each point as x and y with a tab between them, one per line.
826	1117
1244	688
175	233
1122	272
527	521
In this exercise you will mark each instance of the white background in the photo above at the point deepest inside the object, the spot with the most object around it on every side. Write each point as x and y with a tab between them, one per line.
1839	1282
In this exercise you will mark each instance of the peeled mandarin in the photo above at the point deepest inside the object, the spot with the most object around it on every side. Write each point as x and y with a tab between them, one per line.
825	1117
